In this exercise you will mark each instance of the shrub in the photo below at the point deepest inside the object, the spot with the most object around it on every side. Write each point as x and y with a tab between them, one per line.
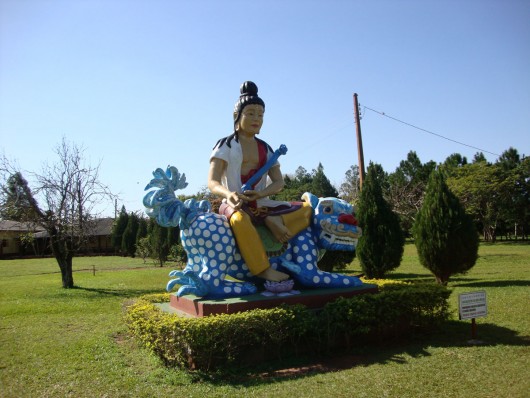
206	343
177	253
219	340
143	248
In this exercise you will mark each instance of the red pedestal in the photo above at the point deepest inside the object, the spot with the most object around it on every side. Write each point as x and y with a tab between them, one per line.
317	298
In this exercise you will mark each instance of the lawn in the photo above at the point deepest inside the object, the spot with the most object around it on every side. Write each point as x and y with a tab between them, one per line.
60	343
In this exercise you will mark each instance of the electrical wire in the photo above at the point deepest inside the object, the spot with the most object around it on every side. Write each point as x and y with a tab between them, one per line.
427	131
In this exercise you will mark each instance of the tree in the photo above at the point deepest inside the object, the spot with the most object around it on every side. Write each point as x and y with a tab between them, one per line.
454	161
118	227
497	196
143	248
16	205
515	212
321	186
406	188
521	201
27	241
445	236
178	253
172	236
128	242
158	242
63	202
336	260
479	158
303	176
380	247
142	229
350	188
483	190
509	159
295	186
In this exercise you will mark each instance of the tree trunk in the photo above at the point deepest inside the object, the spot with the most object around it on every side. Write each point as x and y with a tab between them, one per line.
64	257
65	264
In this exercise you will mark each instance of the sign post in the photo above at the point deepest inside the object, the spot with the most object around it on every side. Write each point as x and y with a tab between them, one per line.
470	306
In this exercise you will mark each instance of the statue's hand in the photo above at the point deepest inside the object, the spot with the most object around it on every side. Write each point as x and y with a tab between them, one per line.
250	196
235	200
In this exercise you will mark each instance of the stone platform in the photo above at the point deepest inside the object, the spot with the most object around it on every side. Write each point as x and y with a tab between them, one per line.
315	298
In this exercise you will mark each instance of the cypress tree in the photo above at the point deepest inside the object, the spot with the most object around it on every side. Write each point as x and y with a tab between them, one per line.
444	234
380	247
17	204
333	261
128	243
118	227
321	186
158	240
142	229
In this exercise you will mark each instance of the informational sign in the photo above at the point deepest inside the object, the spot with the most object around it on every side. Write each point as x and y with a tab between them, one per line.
472	305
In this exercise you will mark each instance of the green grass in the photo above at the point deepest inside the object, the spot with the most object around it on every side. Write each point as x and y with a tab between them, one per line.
60	343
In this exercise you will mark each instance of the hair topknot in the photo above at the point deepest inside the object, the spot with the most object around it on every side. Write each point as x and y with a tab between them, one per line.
249	88
249	96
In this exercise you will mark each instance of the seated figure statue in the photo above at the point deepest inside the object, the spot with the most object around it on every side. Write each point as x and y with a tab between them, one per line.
213	254
244	171
234	161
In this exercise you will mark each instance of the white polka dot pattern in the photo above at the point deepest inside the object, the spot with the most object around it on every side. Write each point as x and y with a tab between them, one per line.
213	255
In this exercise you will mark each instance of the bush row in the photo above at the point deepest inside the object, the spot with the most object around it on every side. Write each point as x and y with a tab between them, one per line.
219	340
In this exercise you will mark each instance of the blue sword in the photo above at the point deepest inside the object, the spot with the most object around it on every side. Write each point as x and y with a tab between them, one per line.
282	150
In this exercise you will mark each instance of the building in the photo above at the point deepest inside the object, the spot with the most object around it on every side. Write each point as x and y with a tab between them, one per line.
13	234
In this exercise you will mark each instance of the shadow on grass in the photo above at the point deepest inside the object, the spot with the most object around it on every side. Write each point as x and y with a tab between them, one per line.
520	242
124	293
453	334
410	276
140	268
506	283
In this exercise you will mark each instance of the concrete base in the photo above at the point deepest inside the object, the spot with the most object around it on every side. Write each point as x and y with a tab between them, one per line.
316	298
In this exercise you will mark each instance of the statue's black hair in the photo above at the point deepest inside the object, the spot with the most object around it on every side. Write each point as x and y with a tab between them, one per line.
249	96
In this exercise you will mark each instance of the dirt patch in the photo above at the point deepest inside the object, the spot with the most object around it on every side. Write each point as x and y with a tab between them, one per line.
121	338
324	366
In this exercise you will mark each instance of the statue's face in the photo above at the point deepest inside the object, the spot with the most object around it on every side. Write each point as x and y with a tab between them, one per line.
251	119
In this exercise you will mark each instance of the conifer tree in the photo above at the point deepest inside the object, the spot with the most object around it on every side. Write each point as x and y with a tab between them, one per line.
17	205
117	229
321	186
128	242
158	241
444	234
336	260
380	247
142	229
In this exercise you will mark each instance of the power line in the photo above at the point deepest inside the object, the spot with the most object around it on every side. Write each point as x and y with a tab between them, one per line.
429	132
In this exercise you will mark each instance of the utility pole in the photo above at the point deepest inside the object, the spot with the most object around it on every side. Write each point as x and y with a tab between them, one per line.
359	140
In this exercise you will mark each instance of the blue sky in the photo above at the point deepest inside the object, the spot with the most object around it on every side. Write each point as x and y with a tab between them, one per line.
146	83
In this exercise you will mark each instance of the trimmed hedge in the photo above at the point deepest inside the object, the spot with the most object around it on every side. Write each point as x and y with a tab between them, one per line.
219	340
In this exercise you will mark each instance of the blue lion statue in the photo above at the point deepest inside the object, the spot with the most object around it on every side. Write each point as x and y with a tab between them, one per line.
213	253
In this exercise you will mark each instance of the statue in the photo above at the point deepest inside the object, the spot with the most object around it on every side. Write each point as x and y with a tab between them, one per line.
244	170
234	161
213	253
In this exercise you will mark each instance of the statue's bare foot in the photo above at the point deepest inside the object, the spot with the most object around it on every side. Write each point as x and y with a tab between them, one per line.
271	274
278	229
